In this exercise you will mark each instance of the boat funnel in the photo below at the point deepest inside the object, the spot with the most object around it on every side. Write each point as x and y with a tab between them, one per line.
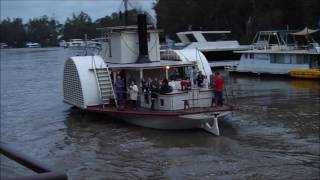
143	41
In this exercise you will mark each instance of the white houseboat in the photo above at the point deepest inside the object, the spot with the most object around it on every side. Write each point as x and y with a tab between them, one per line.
3	45
273	55
62	43
134	52
75	43
215	45
33	45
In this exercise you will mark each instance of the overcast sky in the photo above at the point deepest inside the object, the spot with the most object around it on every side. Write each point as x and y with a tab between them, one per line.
61	9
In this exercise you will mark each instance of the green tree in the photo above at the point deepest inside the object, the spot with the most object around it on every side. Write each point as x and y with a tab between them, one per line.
243	17
43	30
78	26
13	32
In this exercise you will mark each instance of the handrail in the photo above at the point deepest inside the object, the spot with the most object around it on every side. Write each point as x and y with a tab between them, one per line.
45	172
115	98
95	75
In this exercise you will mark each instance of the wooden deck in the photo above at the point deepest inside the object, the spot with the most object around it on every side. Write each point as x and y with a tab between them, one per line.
147	111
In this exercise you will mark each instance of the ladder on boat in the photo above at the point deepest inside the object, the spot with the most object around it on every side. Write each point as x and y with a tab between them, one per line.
105	86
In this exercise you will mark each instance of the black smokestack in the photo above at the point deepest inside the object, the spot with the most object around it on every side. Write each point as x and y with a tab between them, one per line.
143	41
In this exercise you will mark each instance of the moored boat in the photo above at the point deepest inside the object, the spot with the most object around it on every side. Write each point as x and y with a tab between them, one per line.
274	55
88	82
3	45
216	46
33	45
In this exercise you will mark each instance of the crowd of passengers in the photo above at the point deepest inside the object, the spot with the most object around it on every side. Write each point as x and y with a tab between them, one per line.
152	87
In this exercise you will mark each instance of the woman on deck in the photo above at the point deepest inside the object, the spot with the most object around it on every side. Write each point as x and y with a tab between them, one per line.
133	94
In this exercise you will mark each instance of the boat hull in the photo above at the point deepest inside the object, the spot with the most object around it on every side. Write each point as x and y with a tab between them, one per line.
292	75
207	119
171	122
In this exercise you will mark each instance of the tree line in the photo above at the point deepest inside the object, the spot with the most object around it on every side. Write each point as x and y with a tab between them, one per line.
48	31
243	17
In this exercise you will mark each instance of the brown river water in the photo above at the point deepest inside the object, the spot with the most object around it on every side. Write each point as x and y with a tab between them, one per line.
273	135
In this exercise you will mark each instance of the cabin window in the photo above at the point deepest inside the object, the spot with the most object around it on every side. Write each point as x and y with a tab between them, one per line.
293	59
277	59
287	59
302	59
314	61
161	102
264	57
215	37
148	36
191	38
273	58
280	58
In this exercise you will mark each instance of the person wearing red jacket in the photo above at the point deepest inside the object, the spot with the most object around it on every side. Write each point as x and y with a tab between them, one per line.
218	86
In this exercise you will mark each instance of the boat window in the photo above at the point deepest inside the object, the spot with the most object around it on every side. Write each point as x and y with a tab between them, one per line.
314	61
251	56
262	57
287	59
306	59
277	58
280	59
161	102
293	59
215	37
273	58
191	38
274	40
302	59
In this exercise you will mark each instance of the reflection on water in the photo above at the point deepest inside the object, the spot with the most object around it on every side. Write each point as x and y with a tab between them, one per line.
273	135
303	84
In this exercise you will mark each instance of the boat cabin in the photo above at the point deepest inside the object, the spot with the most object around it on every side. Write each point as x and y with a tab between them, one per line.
279	52
122	44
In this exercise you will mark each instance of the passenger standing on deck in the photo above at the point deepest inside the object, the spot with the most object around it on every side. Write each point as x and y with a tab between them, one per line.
194	76
218	86
154	88
133	94
165	88
146	90
200	79
120	89
184	84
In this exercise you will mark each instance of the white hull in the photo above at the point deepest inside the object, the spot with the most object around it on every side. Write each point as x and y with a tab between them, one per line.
167	121
33	45
266	67
277	59
223	64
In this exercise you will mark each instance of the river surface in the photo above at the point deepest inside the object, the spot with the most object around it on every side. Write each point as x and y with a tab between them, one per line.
273	135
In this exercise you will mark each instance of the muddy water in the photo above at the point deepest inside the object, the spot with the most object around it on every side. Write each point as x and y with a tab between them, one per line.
273	135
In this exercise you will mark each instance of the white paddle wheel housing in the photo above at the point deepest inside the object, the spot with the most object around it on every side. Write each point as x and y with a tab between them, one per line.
80	86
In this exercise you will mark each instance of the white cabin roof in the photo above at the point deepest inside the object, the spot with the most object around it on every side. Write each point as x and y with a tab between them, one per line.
205	32
277	52
197	35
